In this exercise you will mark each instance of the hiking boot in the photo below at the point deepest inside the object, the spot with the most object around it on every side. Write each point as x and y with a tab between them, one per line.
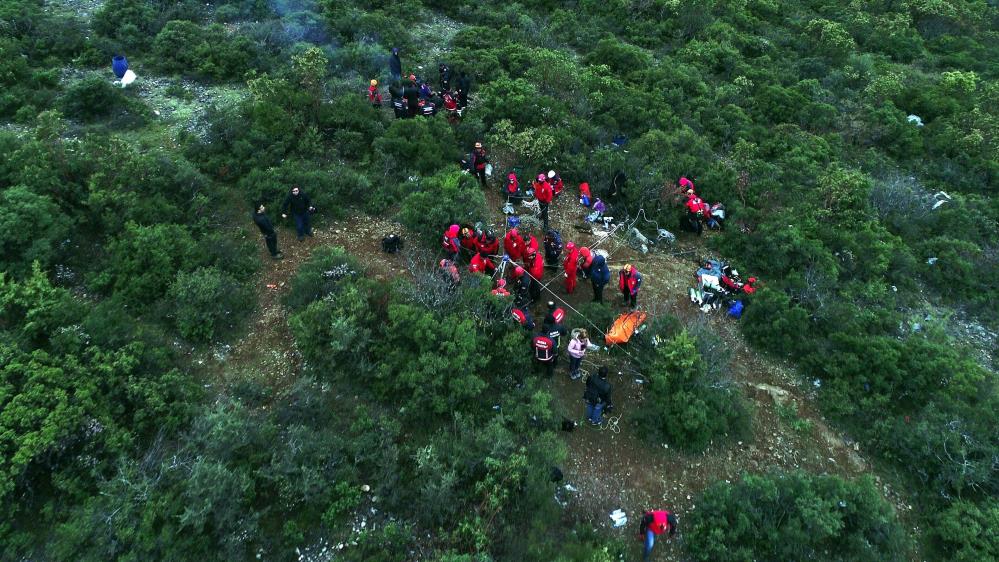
300	238
574	376
278	256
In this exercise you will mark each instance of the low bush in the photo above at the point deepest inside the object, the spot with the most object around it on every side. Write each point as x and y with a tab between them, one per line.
206	302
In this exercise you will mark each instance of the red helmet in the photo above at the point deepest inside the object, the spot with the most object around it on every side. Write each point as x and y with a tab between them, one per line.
518	271
519	315
585	252
541	177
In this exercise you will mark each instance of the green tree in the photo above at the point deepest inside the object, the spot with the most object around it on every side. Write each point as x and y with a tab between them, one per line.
32	228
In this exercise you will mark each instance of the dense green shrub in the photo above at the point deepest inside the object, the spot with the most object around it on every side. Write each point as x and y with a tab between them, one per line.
144	260
683	405
32	228
794	516
184	47
446	198
206	302
969	530
93	97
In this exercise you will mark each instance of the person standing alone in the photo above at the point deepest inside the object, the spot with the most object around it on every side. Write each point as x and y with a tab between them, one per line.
300	206
395	65
655	523
263	222
478	163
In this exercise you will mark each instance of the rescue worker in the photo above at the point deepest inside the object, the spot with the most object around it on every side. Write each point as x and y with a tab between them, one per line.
577	350
543	192
449	273
553	327
532	245
536	267
512	189
373	95
399	104
570	266
686	185
500	290
395	65
584	194
450	242
300	206
521	287
629	281
412	94
597	396
263	222
523	317
655	523
481	262
467	239
697	209
513	245
544	353
750	286
450	106
478	163
553	247
599	274
556	182
486	243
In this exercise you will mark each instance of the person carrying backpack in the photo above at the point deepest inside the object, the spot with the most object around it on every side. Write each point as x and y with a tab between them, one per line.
629	281
597	396
554	328
655	523
570	266
553	247
486	243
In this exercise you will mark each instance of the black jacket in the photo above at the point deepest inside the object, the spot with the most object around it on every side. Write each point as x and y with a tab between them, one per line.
395	64
554	330
299	205
597	390
263	223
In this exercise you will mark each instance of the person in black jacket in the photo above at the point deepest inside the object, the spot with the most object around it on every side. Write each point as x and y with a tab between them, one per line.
445	72
553	327
597	396
300	206
395	65
267	229
464	85
412	94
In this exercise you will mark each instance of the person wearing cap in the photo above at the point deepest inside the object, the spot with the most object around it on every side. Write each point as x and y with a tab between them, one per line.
556	182
478	163
300	206
577	350
597	396
629	281
395	65
570	266
450	242
543	192
513	244
544	353
373	95
655	523
512	189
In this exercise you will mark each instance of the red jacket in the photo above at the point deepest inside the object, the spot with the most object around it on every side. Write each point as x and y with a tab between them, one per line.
513	245
481	264
631	282
532	246
543	191
584	190
557	184
660	522
512	185
450	240
537	266
696	205
484	245
373	95
571	262
467	239
544	348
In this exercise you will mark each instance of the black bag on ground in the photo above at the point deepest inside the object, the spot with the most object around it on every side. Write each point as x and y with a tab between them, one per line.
392	243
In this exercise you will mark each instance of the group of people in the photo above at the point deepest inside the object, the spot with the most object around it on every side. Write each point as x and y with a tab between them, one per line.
719	283
299	205
414	96
700	213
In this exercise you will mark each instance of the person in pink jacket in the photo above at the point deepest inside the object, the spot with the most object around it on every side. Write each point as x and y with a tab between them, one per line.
577	349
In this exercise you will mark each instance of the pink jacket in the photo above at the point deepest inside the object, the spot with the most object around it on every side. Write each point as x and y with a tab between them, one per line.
577	348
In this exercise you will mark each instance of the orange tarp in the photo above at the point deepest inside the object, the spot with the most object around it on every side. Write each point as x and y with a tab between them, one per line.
625	326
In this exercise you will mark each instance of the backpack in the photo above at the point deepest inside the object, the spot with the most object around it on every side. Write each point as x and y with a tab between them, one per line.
391	243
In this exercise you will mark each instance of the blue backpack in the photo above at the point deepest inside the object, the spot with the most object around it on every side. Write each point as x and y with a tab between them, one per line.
735	309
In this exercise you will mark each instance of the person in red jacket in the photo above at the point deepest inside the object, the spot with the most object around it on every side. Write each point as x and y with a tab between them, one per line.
570	266
513	244
532	246
467	239
750	286
478	163
481	263
486	243
584	194
629	281
373	95
587	256
450	242
500	290
655	523
543	191
536	267
544	353
556	182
